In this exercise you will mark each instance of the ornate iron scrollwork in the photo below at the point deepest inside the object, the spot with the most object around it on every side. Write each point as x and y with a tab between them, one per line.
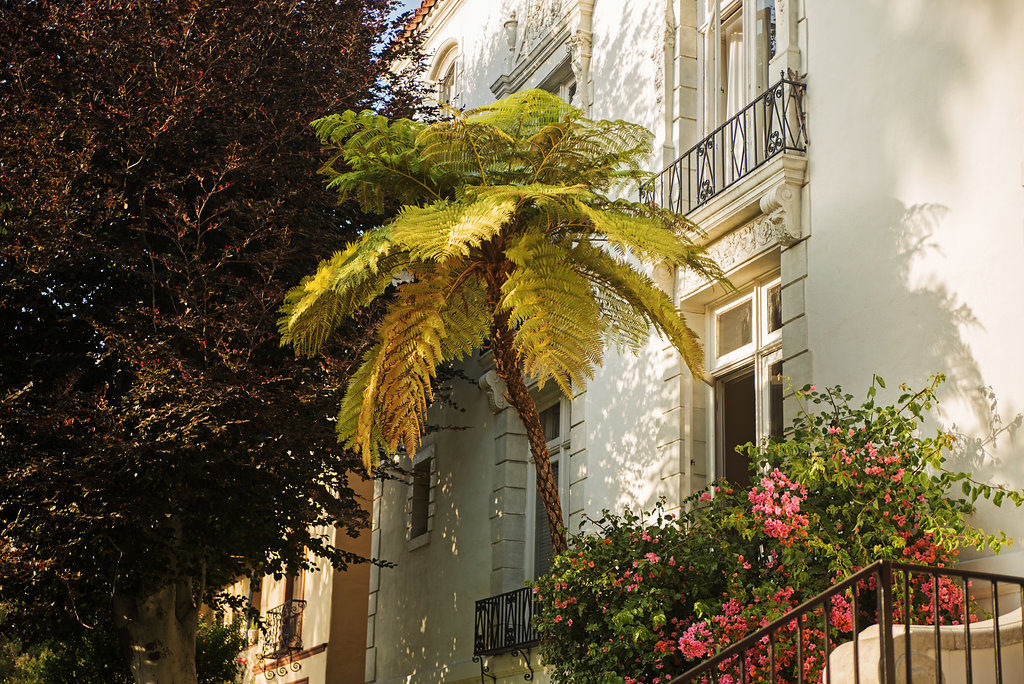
526	659
773	123
504	623
485	670
281	635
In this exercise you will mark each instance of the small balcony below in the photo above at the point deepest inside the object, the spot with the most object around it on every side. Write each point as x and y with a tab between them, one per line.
773	124
503	623
282	630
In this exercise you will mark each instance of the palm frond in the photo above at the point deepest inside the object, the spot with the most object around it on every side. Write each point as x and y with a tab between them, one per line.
645	297
445	229
379	160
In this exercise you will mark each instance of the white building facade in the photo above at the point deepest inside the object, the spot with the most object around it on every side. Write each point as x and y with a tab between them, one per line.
858	168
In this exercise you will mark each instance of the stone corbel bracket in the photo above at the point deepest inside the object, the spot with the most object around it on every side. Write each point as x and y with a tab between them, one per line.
781	209
494	387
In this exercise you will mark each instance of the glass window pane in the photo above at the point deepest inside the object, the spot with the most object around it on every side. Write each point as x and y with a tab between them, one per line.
775	427
764	20
733	328
737	403
420	498
774	297
550	419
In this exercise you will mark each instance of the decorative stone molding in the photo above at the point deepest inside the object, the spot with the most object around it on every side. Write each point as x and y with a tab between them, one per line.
663	278
781	207
511	32
777	226
541	17
494	387
579	48
550	32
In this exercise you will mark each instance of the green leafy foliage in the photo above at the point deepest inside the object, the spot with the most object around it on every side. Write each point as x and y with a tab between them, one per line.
641	598
218	653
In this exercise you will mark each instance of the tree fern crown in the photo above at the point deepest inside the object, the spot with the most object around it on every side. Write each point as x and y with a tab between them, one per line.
504	212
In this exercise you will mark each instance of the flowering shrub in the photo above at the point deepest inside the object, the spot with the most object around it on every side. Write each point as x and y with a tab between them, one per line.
642	598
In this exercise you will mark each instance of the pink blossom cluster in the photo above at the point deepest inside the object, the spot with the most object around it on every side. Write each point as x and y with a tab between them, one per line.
777	507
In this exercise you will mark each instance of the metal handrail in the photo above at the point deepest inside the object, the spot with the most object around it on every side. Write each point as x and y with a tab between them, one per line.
504	623
774	122
885	575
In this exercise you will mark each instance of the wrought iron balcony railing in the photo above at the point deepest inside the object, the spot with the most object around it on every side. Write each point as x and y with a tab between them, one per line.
504	623
282	630
770	125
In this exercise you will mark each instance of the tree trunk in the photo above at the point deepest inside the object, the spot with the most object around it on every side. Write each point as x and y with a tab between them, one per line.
161	629
510	370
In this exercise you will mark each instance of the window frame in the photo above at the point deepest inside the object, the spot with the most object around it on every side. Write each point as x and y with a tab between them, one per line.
716	15
764	350
424	455
445	65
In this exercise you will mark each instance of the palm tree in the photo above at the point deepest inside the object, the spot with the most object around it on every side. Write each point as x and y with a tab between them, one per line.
507	235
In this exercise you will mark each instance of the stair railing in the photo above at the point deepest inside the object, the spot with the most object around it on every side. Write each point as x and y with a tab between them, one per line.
930	611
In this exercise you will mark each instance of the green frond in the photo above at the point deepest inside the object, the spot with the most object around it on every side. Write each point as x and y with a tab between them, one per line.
648	238
427	324
598	154
545	206
379	159
645	297
465	149
560	331
445	229
524	114
627	328
341	285
352	406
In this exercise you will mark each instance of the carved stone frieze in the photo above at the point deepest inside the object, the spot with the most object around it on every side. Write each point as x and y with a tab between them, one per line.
541	17
494	387
777	226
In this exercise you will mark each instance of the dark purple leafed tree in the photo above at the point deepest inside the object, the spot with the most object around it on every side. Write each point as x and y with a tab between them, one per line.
158	194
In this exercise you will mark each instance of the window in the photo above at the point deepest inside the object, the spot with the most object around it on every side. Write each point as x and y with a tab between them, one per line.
419	517
746	363
554	420
446	87
444	72
562	82
567	90
739	44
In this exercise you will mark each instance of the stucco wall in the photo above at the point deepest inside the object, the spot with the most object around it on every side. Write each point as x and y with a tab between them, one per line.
914	266
423	624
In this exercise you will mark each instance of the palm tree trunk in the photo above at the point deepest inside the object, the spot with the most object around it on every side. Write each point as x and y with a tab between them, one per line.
510	370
